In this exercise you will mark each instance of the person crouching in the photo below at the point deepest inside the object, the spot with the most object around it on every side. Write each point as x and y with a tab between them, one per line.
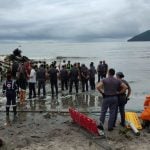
9	90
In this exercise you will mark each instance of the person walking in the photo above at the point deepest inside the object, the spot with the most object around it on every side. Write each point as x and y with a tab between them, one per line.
110	88
123	98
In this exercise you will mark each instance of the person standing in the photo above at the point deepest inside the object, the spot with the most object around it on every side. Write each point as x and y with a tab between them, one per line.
110	88
64	78
74	74
84	77
41	78
15	66
32	82
22	82
68	66
105	69
123	98
1	72
100	71
92	72
10	90
53	79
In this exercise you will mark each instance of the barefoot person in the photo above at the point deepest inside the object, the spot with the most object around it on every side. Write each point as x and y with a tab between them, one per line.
109	88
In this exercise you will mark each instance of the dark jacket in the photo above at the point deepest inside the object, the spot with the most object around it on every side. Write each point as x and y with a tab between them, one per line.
10	87
53	74
63	74
74	74
41	74
92	72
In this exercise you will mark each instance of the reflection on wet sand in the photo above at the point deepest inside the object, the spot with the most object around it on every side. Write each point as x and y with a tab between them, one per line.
22	116
8	121
32	105
83	102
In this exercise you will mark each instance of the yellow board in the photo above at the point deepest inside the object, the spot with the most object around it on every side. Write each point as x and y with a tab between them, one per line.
133	118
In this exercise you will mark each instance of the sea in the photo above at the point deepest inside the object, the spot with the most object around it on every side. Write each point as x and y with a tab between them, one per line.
131	58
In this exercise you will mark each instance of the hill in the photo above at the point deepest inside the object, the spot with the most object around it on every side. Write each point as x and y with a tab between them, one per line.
145	36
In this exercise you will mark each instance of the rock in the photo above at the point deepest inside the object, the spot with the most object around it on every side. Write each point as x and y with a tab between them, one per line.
47	116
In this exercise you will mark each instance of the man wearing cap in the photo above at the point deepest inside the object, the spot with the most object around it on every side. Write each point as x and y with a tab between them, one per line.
110	89
122	98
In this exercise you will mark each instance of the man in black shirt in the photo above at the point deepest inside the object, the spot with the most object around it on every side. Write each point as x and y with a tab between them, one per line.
74	74
53	79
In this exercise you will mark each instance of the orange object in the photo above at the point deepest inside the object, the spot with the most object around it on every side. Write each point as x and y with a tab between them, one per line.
22	96
145	115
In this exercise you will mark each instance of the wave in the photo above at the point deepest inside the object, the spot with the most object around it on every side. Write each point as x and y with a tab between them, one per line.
73	57
132	82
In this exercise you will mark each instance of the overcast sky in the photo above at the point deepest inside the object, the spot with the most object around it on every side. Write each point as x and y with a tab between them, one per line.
73	20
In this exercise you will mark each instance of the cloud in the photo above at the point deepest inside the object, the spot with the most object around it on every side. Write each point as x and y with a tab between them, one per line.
75	21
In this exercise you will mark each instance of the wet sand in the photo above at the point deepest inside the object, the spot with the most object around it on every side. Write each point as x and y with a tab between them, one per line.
44	124
43	131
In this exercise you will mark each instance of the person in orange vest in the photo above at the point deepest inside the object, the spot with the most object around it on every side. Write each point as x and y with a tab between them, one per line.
145	115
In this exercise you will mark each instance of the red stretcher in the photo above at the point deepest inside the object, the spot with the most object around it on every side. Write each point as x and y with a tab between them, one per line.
84	121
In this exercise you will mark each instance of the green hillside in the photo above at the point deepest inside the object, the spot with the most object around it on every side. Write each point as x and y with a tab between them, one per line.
145	36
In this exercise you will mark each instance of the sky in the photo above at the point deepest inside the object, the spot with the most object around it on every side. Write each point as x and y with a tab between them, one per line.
73	20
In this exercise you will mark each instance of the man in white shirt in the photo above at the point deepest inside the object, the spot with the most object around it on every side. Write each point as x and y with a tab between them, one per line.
32	82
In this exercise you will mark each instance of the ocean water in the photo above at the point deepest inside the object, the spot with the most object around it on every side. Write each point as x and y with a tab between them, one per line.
132	58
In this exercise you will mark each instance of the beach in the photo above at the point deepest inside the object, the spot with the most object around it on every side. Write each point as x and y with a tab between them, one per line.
74	75
46	124
58	133
43	124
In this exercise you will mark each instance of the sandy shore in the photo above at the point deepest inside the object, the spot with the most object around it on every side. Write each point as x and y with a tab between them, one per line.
35	128
43	131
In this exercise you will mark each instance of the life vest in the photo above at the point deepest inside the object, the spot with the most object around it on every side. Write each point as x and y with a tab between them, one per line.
68	66
145	115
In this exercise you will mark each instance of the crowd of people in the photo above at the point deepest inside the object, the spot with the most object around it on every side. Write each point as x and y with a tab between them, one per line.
28	74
